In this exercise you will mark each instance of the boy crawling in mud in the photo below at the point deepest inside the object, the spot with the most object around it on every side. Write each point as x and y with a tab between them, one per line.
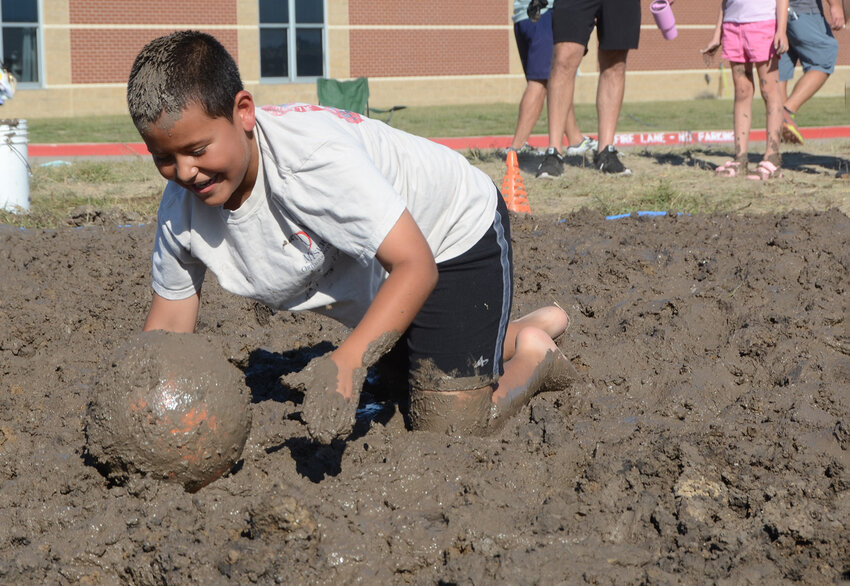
305	207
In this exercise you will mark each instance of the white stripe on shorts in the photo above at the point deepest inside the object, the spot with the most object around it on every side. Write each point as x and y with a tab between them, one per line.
507	290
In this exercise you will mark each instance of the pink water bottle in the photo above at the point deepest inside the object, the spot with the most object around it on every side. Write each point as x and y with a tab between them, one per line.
663	14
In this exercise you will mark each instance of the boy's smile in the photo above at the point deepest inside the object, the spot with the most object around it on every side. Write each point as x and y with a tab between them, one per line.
214	158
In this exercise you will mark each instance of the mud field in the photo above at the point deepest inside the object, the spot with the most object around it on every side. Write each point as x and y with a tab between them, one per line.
708	442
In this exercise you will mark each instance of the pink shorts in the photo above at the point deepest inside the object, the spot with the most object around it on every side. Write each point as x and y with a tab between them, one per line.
749	42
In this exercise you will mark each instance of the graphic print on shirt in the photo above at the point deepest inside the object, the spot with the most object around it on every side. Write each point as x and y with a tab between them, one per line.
312	250
351	117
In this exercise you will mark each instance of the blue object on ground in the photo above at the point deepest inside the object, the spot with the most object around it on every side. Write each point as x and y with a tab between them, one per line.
618	216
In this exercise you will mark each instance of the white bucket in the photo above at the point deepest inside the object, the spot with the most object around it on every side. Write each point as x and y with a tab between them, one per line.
14	166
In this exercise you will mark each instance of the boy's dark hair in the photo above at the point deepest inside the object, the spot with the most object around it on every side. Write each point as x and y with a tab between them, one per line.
179	69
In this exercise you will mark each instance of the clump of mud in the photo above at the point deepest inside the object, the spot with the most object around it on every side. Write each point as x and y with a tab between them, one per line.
168	406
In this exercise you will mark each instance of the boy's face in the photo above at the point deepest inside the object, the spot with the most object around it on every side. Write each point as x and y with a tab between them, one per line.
214	158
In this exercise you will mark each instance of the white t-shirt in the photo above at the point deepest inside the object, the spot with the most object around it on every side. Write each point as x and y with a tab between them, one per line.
744	11
330	187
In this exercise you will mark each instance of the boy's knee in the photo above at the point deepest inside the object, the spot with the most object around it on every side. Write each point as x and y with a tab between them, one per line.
533	341
556	320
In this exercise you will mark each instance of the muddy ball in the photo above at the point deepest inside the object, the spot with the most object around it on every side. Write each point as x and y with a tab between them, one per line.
169	406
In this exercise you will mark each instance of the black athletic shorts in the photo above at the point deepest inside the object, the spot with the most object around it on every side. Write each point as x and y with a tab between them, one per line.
461	328
617	22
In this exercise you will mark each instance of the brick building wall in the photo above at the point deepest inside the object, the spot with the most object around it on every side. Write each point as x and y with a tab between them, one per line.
121	12
105	56
415	53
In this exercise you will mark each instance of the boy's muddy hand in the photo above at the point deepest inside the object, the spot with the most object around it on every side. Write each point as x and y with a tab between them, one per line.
326	412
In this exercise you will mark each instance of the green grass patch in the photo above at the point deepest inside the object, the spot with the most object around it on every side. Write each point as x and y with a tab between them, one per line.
487	119
90	192
82	129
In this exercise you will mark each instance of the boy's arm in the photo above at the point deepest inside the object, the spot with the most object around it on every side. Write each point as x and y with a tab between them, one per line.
173	315
408	259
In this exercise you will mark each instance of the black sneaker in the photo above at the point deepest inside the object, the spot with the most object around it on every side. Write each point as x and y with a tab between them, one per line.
552	164
607	161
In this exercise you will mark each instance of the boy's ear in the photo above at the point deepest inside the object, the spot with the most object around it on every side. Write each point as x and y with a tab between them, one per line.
243	110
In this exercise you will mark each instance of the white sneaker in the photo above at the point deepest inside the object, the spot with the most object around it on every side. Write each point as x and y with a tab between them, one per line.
586	145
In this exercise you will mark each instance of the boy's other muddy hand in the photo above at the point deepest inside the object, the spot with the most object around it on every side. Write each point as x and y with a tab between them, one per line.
326	412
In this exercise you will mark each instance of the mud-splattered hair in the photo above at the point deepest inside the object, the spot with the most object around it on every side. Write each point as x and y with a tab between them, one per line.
180	69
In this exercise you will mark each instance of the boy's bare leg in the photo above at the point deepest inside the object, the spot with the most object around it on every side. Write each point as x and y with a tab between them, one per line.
537	365
551	319
462	412
533	363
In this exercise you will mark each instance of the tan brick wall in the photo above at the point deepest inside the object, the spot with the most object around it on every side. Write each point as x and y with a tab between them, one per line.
180	12
411	53
431	12
416	53
687	12
106	55
655	53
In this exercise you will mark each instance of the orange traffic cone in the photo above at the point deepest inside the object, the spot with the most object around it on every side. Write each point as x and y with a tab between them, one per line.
513	189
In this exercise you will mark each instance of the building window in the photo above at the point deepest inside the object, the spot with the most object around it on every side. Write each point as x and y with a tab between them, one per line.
19	39
292	39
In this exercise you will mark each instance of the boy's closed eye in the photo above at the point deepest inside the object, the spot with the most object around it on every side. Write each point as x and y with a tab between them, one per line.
166	159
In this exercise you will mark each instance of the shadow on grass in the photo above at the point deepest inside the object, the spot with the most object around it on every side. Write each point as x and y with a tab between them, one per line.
793	160
529	162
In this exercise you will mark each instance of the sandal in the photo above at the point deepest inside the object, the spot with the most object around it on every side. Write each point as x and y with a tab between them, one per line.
731	168
766	170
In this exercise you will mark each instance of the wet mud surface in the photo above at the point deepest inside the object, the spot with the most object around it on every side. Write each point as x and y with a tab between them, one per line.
708	440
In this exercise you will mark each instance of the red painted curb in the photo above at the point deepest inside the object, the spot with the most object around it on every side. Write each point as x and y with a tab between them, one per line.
633	139
628	139
85	149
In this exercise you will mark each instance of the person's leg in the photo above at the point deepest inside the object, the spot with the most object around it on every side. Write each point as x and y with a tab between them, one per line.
530	107
742	79
534	43
458	341
565	62
768	73
571	128
618	28
572	23
533	362
551	319
813	44
609	93
806	87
